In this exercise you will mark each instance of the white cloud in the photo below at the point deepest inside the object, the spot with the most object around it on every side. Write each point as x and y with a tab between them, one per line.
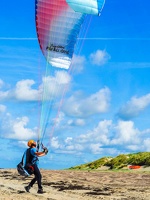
4	95
78	63
133	147
68	140
126	133
98	134
120	137
67	145
1	83
55	85
146	144
99	58
55	143
146	131
96	148
2	108
76	122
92	141
58	119
25	90
22	143
107	138
17	129
79	106
133	107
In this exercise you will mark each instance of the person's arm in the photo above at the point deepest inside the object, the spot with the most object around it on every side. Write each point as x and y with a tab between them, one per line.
39	154
42	153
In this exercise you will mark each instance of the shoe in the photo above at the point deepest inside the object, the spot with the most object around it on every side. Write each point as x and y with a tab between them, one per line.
40	191
27	188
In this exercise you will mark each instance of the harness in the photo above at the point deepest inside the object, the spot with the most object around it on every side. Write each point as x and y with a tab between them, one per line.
25	167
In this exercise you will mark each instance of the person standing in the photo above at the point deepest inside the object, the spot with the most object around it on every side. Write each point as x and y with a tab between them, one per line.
34	154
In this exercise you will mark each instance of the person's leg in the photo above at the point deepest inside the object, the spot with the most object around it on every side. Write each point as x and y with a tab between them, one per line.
28	187
38	177
32	182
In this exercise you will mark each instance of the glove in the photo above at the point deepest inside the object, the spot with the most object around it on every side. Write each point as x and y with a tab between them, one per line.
45	150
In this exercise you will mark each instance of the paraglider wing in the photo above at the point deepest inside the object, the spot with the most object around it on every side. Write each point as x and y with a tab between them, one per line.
58	26
93	7
58	23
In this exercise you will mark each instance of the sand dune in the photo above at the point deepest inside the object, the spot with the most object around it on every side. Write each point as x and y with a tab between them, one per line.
77	185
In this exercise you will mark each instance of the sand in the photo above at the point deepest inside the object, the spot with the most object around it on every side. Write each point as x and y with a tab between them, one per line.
78	185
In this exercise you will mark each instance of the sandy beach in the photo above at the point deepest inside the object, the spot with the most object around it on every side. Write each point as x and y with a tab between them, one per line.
77	185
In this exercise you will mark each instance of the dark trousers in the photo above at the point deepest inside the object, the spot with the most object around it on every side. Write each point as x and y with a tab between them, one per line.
37	177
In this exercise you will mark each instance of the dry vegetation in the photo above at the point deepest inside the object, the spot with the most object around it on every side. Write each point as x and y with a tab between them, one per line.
119	162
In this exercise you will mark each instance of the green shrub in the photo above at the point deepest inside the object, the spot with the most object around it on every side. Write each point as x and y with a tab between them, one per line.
122	160
116	162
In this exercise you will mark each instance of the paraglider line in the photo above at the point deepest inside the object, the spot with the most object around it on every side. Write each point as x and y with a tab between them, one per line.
65	89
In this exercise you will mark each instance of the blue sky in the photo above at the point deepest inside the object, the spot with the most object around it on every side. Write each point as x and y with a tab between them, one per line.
106	106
